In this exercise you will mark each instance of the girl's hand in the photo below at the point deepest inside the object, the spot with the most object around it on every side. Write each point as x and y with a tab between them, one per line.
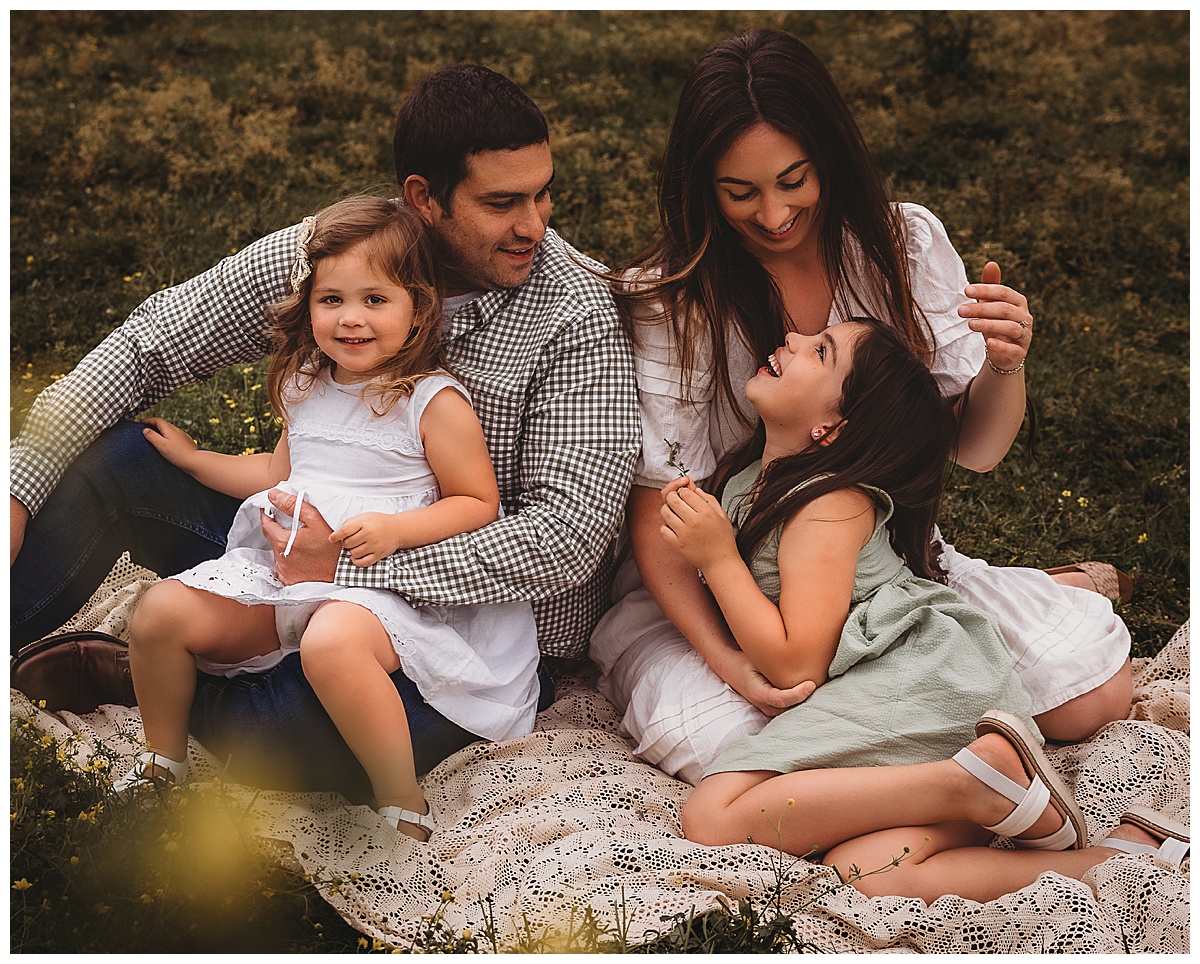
1002	316
368	537
172	442
695	525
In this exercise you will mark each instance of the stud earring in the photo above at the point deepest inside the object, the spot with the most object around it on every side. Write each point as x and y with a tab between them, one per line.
816	433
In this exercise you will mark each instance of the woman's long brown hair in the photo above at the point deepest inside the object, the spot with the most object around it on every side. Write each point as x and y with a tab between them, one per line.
697	270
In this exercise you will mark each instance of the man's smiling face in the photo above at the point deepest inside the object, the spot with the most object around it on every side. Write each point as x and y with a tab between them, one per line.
497	216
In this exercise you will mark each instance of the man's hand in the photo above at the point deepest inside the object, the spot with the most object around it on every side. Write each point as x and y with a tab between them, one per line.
18	518
313	557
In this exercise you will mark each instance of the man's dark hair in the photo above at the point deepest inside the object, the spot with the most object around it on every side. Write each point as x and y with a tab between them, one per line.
456	112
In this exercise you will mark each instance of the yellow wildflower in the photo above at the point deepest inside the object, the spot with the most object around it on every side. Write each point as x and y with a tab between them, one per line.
1143	538
21	884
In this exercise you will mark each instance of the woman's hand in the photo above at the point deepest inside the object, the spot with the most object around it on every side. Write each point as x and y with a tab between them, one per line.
368	537
172	442
1002	316
761	693
695	525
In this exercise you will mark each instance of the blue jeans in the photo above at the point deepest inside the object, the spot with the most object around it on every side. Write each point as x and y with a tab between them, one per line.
119	495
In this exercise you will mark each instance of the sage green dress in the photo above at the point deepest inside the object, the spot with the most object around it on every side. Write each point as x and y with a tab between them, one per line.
915	668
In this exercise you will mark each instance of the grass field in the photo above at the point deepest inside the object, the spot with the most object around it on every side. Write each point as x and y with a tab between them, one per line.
146	146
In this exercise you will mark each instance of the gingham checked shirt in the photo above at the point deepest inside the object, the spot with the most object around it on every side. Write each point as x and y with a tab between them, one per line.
551	376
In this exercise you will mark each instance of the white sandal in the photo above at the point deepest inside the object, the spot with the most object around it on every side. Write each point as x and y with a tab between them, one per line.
1175	839
141	775
395	815
1031	801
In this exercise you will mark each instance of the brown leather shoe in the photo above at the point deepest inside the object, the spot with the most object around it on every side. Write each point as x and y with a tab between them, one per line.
75	671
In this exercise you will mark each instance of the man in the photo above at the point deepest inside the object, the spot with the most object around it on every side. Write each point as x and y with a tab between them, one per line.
530	331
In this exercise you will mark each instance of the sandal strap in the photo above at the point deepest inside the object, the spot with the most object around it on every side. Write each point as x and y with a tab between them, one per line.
1173	852
143	763
395	814
1170	853
1031	803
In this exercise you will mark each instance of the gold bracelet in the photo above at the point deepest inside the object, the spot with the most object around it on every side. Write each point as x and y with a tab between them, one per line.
1002	371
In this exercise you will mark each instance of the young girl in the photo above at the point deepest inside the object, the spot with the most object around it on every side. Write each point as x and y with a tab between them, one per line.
385	444
811	576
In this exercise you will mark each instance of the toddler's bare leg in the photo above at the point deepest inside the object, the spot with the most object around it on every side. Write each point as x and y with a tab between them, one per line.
954	861
172	625
347	657
1079	719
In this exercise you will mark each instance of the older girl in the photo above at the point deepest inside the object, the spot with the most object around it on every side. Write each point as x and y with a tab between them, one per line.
919	727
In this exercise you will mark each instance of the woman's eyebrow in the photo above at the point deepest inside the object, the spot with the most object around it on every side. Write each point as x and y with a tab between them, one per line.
779	177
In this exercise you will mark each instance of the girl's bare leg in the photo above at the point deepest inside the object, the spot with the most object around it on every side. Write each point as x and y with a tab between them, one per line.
1080	718
173	624
955	860
815	810
347	656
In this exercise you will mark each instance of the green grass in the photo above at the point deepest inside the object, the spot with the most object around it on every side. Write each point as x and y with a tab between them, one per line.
145	146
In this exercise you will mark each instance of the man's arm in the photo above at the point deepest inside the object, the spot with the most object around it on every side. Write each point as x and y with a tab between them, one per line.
576	461
176	336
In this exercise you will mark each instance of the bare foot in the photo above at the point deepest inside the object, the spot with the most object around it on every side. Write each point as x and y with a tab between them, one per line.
1080	580
993	807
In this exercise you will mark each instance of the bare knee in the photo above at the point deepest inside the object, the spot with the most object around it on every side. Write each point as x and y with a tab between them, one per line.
159	614
341	637
319	646
706	818
1079	719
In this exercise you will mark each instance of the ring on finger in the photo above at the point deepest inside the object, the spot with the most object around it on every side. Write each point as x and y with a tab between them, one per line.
1023	324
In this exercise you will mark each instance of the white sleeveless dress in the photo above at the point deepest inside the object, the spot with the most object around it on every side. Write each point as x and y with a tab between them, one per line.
477	665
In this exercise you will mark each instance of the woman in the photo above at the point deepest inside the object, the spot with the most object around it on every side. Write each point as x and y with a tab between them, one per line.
774	219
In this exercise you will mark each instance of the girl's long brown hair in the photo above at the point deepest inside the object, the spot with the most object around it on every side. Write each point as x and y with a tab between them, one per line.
697	269
399	248
897	434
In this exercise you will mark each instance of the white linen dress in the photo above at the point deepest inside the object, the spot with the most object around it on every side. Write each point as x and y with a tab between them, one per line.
681	715
477	665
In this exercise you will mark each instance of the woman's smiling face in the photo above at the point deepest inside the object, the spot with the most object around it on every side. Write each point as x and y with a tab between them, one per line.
768	191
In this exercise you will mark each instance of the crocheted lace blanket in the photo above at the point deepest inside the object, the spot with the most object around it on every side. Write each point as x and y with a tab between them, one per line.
568	818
